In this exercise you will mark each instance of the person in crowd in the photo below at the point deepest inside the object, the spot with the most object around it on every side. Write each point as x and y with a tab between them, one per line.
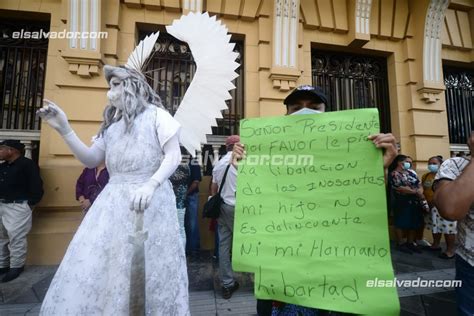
407	197
193	241
21	188
226	217
213	228
423	205
310	100
89	184
435	222
454	199
180	179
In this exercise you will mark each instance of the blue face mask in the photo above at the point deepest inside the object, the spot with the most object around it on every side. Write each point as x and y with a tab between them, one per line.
406	165
433	168
306	111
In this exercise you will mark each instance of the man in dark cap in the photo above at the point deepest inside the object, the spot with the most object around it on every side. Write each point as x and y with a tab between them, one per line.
20	189
306	98
226	217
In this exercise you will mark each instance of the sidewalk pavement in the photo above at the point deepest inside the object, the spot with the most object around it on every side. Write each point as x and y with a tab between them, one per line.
24	295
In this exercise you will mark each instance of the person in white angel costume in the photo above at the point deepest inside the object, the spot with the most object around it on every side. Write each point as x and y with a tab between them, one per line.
139	141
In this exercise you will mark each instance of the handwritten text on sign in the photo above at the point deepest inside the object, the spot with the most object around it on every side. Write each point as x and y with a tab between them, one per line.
310	219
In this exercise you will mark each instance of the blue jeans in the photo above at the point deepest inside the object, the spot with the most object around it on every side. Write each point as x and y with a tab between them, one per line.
191	223
465	293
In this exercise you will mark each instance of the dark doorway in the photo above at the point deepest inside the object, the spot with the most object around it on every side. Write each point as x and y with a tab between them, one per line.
22	72
352	82
171	70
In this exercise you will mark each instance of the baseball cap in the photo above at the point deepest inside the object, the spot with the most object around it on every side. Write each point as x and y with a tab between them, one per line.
13	144
306	92
231	140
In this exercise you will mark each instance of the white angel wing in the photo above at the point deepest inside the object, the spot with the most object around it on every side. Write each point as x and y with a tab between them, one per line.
140	54
215	69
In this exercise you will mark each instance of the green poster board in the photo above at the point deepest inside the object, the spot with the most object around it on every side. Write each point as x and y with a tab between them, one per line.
310	216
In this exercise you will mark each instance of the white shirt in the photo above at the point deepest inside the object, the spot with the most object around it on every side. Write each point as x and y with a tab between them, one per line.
450	170
230	184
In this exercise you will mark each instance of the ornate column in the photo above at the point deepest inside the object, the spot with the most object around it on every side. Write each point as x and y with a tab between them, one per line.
191	5
199	157
284	72
359	21
432	85
28	148
215	151
83	49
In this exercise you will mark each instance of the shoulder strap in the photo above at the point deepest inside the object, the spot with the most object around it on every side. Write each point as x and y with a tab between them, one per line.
223	179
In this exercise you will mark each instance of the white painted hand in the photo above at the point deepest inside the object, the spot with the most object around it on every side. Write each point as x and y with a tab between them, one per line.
55	117
141	198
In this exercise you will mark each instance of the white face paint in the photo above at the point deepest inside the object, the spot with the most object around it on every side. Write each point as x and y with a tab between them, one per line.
306	111
115	93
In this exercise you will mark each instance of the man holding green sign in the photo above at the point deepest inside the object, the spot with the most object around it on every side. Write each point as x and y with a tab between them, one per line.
310	217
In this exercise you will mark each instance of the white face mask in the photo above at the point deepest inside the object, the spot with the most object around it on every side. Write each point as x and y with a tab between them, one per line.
306	111
115	95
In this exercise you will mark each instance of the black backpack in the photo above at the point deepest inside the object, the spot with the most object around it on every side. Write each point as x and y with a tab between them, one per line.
212	208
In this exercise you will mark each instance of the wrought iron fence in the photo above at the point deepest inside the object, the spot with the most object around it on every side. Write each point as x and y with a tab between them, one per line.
353	82
22	75
459	103
171	70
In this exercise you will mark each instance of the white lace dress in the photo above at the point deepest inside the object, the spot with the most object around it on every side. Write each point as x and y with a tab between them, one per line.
94	276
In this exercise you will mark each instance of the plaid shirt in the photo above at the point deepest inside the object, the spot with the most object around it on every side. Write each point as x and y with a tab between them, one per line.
450	170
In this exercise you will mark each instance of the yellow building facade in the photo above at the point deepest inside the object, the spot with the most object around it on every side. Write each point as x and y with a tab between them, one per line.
415	39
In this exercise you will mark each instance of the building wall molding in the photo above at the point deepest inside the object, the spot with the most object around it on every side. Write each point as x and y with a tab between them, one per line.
284	72
83	54
191	6
83	65
359	22
432	85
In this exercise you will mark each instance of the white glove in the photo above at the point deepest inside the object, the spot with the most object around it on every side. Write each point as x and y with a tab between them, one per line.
141	198
55	117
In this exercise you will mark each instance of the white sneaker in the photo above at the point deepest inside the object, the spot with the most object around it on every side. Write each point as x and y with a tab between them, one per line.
423	243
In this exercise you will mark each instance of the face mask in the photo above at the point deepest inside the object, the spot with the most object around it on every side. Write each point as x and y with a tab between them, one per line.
306	111
433	168
406	165
115	96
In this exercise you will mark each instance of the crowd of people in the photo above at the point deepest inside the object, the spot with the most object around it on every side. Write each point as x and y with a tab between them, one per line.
413	210
415	204
441	200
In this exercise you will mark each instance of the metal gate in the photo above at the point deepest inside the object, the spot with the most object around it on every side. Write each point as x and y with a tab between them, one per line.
171	70
353	82
459	103
22	74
